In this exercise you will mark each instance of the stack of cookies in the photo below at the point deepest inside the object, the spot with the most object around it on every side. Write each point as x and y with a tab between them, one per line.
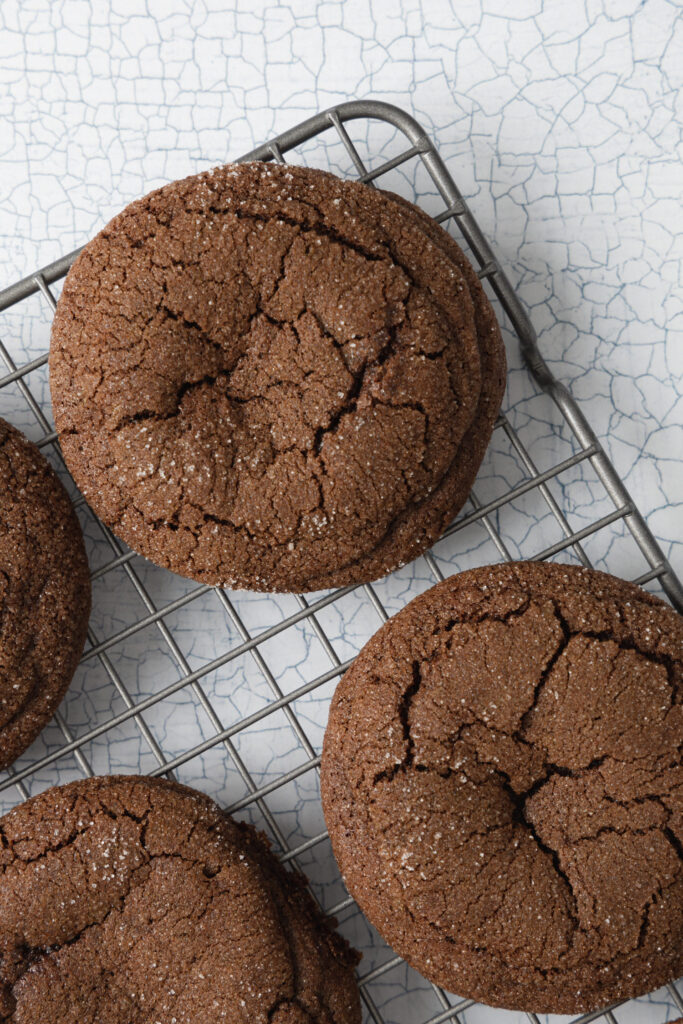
264	377
267	378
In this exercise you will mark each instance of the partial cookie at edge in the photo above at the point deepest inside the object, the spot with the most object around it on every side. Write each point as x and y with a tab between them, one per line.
44	593
174	912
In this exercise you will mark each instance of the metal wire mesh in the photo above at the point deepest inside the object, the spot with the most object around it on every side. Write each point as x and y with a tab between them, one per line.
607	521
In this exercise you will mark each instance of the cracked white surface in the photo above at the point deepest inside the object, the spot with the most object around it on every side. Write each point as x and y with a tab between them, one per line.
560	123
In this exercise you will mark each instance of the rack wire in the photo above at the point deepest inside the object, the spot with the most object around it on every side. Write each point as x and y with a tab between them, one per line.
218	724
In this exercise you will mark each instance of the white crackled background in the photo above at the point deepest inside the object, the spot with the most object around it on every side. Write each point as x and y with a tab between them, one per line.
560	122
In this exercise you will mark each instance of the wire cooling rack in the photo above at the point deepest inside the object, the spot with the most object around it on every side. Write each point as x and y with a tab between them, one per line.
229	691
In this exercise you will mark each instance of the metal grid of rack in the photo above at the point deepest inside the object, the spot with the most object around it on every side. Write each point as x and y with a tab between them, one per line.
160	621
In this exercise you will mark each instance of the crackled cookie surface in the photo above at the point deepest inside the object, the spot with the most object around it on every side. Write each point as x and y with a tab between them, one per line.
44	593
269	378
503	787
138	901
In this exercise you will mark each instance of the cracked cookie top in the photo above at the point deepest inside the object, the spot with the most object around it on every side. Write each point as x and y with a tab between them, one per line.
137	900
268	378
503	787
44	593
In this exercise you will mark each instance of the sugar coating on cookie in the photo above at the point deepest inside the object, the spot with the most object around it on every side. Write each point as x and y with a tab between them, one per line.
44	593
130	900
269	378
503	787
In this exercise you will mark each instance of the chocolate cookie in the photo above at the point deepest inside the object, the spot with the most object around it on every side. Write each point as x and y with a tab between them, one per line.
44	593
266	377
502	783
139	901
